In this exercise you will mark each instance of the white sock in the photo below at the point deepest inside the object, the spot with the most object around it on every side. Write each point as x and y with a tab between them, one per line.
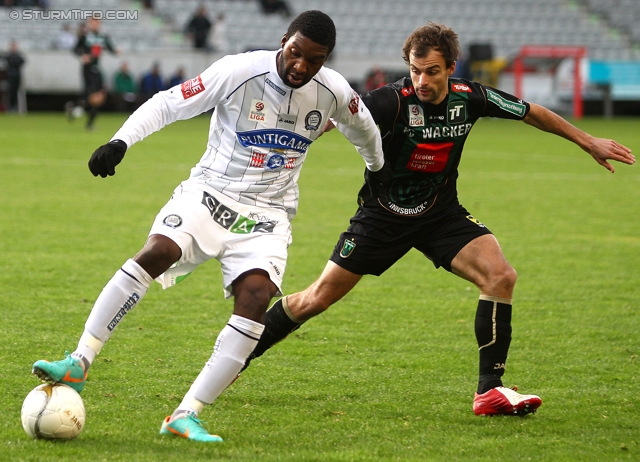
233	345
125	289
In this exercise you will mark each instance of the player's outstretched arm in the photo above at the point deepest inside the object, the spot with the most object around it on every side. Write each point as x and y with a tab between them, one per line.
601	149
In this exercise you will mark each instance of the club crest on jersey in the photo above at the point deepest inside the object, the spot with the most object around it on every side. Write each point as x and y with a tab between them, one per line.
456	112
274	138
347	248
313	120
258	111
416	116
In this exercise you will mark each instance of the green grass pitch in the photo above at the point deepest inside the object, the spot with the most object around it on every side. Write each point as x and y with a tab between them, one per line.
386	374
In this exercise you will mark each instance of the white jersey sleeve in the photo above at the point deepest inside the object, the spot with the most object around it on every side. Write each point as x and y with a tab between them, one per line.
356	123
184	101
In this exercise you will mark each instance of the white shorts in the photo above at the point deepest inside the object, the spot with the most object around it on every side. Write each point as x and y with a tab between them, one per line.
206	224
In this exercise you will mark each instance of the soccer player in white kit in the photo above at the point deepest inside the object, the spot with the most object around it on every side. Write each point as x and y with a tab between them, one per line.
237	204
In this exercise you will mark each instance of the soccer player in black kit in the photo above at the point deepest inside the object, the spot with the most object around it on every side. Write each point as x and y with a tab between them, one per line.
424	121
89	47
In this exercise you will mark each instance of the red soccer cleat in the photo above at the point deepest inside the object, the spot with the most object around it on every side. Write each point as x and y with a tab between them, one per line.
505	401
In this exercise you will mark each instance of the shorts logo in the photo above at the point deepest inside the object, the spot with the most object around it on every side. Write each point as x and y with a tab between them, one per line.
258	112
192	87
313	120
354	104
416	116
473	220
232	220
172	221
347	248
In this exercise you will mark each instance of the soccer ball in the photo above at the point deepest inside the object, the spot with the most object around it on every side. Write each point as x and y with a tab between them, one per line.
53	411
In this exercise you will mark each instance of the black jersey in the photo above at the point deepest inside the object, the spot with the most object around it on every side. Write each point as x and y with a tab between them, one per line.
93	44
423	142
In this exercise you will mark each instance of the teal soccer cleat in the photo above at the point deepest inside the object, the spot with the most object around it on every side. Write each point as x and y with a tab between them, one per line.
189	427
67	371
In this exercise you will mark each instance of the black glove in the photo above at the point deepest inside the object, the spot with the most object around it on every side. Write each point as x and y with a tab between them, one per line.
104	159
379	181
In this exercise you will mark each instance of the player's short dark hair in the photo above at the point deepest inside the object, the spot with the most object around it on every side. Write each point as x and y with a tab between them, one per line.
314	25
432	36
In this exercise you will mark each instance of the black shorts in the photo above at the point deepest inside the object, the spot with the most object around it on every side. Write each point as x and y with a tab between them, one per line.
92	79
371	245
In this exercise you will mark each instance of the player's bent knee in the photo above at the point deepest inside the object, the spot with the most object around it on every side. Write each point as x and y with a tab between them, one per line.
157	255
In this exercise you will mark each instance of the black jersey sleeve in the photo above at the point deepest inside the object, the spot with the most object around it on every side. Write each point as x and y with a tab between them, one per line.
383	103
503	105
81	47
109	44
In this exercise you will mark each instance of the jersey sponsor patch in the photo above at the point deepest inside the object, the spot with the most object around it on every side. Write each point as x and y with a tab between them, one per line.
258	111
275	87
233	221
274	138
272	161
287	121
354	104
408	91
191	87
416	116
430	157
461	88
506	105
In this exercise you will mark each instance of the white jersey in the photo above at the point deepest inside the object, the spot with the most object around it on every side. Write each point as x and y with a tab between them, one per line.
261	129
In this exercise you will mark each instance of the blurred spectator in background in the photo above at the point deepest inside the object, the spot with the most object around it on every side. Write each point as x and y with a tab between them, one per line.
177	78
89	47
198	29
219	35
124	89
151	83
66	39
275	6
14	74
376	79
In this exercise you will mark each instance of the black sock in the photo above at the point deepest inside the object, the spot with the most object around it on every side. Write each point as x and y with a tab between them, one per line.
93	112
277	325
493	333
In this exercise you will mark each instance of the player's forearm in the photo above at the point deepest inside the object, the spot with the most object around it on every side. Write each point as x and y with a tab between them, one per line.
548	121
147	119
364	135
